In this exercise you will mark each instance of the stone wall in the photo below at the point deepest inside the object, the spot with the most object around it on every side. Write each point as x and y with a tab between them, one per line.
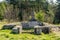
17	30
8	26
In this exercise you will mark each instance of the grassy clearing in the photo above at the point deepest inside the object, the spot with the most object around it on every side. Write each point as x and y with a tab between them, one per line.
6	35
1	24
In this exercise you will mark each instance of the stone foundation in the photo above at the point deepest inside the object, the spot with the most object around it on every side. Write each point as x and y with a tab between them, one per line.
17	30
8	26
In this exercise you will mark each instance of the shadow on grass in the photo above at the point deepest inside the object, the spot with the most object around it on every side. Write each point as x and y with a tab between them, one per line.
29	33
28	28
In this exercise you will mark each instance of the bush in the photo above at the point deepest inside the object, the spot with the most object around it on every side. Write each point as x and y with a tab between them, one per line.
40	16
1	17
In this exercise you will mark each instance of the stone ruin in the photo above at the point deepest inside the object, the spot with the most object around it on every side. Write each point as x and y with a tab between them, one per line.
41	29
38	27
17	30
8	26
32	22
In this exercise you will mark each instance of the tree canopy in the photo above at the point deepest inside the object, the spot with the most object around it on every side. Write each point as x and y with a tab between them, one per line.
21	10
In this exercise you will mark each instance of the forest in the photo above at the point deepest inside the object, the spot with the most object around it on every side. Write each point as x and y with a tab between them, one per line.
20	10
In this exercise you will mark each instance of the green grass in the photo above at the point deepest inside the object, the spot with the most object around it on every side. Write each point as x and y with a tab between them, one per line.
1	24
6	35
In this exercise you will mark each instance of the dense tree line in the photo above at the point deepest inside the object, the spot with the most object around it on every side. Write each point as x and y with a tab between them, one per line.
57	14
2	10
21	10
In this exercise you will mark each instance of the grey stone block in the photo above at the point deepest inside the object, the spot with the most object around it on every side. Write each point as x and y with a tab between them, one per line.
46	30
17	30
8	26
38	31
25	25
40	24
32	24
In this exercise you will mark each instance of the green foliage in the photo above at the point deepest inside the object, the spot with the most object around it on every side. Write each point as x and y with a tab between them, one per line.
40	16
57	15
5	35
1	17
2	10
25	6
28	5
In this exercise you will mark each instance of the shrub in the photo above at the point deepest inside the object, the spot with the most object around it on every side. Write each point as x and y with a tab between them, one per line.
1	17
40	16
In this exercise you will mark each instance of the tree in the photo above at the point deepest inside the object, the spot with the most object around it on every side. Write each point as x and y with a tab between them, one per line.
25	7
28	5
57	14
40	16
2	10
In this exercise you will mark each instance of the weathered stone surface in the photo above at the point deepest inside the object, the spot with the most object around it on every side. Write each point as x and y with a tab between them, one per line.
17	30
40	23
46	30
43	29
32	24
55	29
38	31
25	25
8	26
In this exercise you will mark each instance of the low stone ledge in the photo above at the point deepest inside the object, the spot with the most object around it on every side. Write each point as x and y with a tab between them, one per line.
40	29
46	30
37	31
25	25
17	30
8	26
